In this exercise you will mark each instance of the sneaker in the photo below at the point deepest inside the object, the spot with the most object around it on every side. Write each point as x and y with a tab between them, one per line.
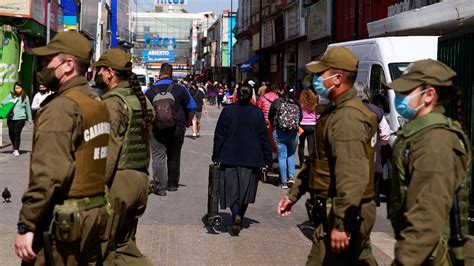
194	135
198	134
291	180
236	224
284	186
16	153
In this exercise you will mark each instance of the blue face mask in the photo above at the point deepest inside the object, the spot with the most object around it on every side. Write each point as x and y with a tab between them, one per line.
319	86
402	104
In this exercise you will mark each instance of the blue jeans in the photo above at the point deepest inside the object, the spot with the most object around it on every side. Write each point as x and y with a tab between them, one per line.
286	143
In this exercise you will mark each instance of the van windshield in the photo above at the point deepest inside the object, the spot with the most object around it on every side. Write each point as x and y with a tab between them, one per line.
141	80
396	69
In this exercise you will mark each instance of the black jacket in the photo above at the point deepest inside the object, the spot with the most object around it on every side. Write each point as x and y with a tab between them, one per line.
241	137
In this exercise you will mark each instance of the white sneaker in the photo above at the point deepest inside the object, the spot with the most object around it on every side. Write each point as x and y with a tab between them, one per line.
16	153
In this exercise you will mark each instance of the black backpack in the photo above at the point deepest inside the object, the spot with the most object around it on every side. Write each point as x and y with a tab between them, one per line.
164	105
288	115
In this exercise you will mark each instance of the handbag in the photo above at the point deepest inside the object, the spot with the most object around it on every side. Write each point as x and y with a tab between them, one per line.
6	109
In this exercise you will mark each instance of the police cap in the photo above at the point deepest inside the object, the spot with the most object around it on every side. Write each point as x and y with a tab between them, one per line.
116	59
338	57
428	71
67	42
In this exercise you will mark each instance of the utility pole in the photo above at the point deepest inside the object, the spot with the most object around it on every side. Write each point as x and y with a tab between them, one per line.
260	60
98	36
48	22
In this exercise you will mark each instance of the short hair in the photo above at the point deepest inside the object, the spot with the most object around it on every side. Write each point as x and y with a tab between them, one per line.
166	69
81	65
362	91
349	76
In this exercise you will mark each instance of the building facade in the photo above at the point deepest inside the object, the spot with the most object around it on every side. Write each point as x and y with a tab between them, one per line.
165	37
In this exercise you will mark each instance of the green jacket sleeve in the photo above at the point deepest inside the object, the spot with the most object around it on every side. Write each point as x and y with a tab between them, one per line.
29	117
429	195
58	127
300	187
348	134
118	125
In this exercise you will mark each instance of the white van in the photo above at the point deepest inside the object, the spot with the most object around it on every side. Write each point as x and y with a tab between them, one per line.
142	76
381	60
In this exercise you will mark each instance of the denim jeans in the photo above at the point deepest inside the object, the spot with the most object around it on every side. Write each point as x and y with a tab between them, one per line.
286	143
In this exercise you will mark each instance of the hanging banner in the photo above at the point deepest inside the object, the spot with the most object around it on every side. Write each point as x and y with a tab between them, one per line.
9	59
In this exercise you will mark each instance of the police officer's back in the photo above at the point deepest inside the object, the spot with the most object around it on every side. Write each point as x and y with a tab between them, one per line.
67	169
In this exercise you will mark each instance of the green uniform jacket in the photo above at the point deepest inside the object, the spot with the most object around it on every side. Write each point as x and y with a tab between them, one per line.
430	164
118	125
347	136
57	135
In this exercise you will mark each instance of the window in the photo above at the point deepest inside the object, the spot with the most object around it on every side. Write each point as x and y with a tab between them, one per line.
379	93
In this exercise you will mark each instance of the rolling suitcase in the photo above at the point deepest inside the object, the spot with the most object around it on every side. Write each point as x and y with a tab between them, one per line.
213	217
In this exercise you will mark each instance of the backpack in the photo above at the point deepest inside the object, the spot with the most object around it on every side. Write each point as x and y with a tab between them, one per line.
288	116
164	105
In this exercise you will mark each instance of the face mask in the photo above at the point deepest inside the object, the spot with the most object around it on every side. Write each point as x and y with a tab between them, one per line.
47	77
99	81
402	104
319	86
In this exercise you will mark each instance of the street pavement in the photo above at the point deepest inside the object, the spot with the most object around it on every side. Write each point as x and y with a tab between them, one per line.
172	230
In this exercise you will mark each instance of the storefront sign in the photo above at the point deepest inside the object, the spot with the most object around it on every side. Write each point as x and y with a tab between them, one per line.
171	2
318	17
293	19
151	41
407	5
267	34
164	56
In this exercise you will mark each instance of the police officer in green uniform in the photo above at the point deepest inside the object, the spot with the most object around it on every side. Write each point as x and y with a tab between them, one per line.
131	114
341	176
65	194
431	163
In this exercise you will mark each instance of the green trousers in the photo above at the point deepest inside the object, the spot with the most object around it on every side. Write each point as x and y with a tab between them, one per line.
128	195
359	251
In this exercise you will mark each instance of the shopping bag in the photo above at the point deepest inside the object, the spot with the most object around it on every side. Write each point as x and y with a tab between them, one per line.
6	109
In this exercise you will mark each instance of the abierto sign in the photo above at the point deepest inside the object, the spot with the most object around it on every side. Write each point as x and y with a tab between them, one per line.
163	56
171	2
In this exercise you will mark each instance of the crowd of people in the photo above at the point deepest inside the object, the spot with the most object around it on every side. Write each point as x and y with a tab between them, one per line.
88	150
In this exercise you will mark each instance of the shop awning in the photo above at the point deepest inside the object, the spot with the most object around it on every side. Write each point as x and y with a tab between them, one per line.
245	66
435	19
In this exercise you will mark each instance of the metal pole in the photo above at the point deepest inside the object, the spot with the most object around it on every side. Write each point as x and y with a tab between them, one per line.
48	22
260	65
230	38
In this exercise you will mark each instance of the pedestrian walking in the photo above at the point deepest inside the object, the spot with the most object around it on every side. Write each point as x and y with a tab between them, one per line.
131	115
220	96
264	102
201	107
308	101
240	127
68	161
383	136
346	140
39	97
174	111
432	165
285	115
18	116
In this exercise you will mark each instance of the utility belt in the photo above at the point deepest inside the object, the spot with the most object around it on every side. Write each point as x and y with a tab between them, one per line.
66	225
317	210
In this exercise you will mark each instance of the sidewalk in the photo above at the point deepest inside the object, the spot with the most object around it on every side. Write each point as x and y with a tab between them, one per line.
172	231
